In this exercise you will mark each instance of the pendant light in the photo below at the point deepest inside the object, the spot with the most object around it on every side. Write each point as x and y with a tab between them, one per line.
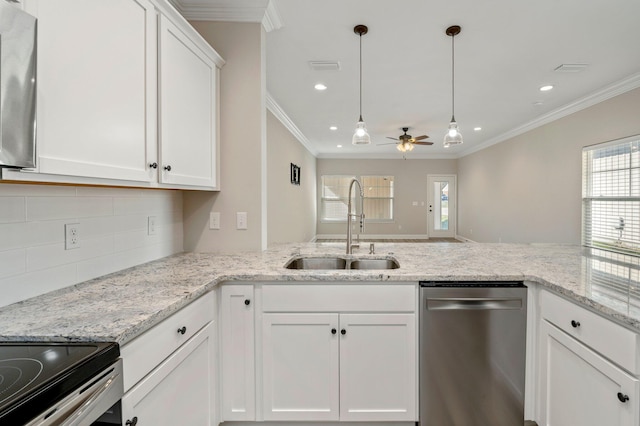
453	136
361	137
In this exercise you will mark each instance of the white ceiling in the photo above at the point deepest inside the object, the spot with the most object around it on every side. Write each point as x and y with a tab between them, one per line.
507	49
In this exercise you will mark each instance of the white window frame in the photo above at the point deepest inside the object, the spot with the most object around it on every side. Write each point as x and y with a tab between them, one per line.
344	219
611	196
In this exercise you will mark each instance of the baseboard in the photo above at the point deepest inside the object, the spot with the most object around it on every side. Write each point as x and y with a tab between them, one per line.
464	239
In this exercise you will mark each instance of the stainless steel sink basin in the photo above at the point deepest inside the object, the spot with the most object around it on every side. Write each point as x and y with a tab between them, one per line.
374	264
334	263
317	263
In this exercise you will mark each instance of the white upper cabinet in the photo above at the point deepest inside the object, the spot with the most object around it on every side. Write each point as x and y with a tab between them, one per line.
188	110
96	86
127	95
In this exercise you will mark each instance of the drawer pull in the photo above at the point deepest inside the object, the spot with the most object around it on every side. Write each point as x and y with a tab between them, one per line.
334	331
153	165
247	302
623	398
343	331
167	168
132	422
182	330
575	324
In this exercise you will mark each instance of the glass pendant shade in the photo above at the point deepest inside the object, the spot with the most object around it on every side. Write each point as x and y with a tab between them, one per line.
453	136
361	136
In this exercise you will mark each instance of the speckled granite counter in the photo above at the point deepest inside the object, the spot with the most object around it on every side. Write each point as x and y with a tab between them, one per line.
120	306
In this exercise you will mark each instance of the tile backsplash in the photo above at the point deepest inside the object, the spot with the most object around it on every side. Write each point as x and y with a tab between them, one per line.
113	234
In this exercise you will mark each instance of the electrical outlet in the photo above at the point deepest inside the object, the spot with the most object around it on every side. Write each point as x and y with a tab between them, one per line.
241	220
151	225
214	220
71	236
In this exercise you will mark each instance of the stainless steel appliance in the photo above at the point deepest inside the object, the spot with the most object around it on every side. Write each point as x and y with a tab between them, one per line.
472	353
68	384
17	87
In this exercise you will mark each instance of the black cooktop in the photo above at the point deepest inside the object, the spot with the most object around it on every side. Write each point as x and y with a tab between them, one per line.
33	376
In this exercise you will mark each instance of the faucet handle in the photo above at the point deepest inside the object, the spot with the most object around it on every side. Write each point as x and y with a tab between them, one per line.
372	249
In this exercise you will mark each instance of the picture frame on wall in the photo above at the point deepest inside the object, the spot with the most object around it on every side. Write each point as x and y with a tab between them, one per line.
295	174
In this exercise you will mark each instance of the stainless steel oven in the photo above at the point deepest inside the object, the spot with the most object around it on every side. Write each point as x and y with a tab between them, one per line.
67	384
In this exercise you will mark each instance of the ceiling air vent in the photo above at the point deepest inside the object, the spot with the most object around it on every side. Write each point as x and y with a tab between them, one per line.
325	65
571	67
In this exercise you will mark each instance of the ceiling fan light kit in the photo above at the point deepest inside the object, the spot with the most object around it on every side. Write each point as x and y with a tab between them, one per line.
453	136
361	136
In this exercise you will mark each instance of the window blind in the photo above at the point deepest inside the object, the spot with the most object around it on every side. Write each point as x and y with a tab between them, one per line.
378	197
611	196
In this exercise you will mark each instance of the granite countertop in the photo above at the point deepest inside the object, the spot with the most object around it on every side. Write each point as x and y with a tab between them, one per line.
122	305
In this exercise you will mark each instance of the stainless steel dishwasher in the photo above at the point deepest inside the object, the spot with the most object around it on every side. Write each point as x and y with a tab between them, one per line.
472	353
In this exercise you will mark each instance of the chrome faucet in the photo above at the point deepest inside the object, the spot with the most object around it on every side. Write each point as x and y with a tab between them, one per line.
349	215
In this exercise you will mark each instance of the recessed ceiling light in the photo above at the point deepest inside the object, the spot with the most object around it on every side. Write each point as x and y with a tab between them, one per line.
339	146
546	88
333	128
477	129
320	86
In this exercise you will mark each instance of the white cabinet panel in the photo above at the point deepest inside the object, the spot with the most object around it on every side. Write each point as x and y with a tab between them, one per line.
377	367
579	387
96	88
238	357
181	390
300	366
188	110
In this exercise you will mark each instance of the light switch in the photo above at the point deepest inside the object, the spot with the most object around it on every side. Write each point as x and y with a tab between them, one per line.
214	220
241	220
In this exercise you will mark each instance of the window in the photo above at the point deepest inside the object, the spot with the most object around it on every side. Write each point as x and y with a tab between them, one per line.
378	197
611	196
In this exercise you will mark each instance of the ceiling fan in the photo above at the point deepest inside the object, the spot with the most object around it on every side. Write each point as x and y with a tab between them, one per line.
406	142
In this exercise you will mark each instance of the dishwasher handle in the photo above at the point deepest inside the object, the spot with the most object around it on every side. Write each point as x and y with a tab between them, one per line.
472	303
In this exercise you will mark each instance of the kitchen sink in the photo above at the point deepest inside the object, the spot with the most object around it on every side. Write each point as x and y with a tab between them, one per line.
317	263
374	264
334	263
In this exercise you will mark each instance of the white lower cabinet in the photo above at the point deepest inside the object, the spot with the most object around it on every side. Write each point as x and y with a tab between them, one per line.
180	391
578	381
237	359
338	366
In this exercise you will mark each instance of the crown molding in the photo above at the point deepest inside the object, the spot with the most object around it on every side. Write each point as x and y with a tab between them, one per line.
276	110
630	83
258	11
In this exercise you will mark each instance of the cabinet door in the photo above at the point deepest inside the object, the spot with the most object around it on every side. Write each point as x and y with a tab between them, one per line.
579	387
377	367
180	391
97	74
300	367
188	110
238	358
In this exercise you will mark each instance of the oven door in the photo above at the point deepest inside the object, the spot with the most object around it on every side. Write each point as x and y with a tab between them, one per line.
87	403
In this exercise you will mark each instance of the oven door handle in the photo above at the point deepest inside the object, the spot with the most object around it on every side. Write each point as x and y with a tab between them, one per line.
79	414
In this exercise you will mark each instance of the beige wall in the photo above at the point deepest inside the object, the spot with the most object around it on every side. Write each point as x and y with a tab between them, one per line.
242	144
410	180
528	188
291	209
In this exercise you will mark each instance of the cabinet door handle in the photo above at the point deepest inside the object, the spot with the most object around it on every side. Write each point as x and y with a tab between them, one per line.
132	422
575	324
247	302
167	167
153	165
182	330
622	397
343	331
334	331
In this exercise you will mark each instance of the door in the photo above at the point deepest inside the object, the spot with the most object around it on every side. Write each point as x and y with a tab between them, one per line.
238	367
579	387
181	390
377	367
441	206
188	110
300	367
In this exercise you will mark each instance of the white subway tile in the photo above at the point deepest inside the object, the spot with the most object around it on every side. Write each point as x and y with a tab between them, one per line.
49	256
13	236
96	267
124	241
21	287
91	191
12	209
51	208
36	190
12	262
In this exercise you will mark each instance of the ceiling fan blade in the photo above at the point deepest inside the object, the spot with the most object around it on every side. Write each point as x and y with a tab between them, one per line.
393	139
423	143
418	138
390	143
